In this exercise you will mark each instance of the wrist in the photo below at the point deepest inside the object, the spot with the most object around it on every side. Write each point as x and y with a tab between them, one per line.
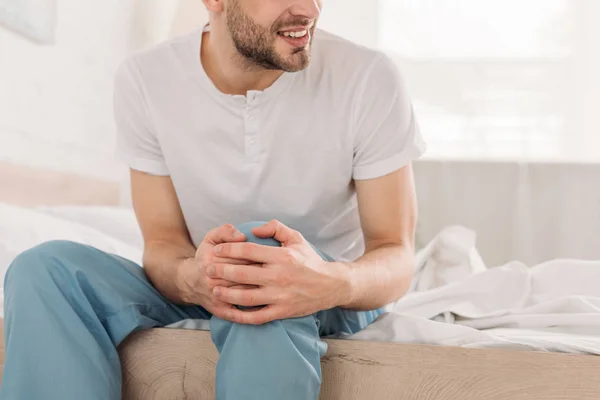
182	273
346	287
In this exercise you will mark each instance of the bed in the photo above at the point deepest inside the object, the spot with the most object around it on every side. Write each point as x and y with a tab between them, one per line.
183	368
466	331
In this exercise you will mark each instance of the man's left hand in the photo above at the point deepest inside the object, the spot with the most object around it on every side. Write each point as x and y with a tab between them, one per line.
289	281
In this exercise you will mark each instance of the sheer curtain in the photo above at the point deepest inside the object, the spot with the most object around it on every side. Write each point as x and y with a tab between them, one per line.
501	79
507	93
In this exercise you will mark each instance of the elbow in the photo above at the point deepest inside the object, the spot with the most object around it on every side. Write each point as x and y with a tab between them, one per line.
403	277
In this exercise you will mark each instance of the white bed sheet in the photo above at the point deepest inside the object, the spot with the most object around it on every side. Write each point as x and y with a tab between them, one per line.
109	229
455	298
553	306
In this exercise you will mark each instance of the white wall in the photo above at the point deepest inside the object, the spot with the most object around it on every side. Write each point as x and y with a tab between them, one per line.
56	101
530	212
356	20
190	16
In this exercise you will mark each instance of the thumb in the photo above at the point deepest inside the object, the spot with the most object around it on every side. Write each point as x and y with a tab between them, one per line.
279	232
223	234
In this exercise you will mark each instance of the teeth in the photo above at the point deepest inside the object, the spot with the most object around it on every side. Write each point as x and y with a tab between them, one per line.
295	34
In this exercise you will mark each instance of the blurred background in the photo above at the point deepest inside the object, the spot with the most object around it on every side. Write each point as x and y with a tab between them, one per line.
507	94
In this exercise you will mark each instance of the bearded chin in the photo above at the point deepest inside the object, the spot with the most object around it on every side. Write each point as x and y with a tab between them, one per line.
256	45
261	53
258	55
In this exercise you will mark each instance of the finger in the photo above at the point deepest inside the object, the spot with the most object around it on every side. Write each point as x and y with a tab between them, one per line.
212	283
242	274
224	234
236	261
279	232
244	296
222	310
250	251
256	317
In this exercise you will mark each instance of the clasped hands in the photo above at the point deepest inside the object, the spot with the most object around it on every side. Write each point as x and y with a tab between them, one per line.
273	282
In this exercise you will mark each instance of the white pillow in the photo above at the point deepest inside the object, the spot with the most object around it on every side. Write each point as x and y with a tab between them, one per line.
21	228
116	222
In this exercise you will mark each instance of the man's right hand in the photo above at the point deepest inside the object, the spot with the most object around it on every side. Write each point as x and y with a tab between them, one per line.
194	283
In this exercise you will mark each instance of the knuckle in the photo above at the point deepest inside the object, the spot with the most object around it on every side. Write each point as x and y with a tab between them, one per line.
239	275
211	233
224	250
207	282
219	270
247	250
236	318
224	294
186	297
283	297
248	298
207	258
200	279
220	313
288	256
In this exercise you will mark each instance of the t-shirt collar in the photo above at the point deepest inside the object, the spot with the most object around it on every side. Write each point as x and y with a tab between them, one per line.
199	74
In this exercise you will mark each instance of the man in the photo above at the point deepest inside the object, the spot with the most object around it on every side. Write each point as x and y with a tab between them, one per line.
258	117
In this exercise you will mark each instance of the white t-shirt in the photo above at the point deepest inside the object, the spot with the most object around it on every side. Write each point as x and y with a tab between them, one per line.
289	152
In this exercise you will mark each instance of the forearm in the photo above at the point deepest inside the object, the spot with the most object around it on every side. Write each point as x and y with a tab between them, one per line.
163	261
379	277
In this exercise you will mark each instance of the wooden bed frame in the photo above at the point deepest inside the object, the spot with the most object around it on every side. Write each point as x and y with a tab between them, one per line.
160	362
354	370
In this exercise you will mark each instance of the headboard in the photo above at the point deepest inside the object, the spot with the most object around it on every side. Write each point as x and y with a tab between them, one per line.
30	186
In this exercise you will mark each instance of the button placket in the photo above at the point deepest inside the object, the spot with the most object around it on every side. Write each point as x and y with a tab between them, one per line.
251	127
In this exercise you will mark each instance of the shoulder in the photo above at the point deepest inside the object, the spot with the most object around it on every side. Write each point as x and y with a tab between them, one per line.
162	59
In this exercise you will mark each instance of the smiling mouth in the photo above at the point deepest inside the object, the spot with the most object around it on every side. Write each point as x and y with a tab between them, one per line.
298	38
294	34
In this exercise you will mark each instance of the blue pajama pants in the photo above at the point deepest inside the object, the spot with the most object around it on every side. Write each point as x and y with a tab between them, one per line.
69	305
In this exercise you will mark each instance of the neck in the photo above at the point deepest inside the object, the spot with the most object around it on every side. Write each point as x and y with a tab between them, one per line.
230	73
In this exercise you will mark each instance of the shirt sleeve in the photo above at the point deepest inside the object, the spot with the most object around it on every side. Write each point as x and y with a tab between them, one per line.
137	144
387	135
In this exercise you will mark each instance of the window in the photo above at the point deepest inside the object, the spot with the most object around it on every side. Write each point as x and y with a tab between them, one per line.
500	78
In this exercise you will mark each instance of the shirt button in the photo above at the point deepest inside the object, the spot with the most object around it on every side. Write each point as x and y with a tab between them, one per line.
252	141
252	120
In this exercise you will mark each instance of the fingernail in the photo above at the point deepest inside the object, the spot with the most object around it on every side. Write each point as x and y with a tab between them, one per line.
218	249
211	270
217	291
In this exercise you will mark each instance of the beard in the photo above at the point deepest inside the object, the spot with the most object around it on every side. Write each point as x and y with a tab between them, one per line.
256	44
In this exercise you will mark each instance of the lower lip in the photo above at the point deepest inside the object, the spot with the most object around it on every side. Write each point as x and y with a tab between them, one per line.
297	42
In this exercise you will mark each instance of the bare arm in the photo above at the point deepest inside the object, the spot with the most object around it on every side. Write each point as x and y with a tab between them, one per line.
173	264
166	239
388	212
295	281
